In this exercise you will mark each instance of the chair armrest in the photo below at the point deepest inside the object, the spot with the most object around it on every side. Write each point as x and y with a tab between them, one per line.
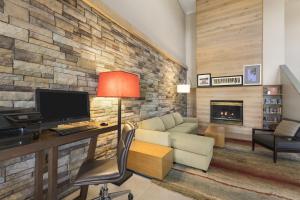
155	137
190	119
260	129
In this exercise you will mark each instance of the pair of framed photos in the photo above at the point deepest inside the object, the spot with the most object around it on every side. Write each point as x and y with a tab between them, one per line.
205	80
252	76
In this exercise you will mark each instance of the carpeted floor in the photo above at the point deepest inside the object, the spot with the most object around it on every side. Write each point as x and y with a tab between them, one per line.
237	173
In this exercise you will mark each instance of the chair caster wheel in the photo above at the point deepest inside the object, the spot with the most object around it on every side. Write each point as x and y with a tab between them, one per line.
130	196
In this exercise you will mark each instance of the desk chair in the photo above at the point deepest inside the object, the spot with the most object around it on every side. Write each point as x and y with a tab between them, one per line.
95	172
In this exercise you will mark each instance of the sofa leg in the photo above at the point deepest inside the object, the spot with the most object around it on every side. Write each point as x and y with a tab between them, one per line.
253	145
204	171
275	156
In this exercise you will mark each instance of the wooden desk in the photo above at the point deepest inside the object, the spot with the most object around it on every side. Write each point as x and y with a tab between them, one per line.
50	141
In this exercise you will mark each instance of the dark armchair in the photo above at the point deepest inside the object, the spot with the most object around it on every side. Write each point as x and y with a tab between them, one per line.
266	138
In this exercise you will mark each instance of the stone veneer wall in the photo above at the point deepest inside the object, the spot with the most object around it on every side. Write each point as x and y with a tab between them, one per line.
63	45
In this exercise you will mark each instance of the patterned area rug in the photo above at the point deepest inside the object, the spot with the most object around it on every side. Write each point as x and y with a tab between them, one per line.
237	173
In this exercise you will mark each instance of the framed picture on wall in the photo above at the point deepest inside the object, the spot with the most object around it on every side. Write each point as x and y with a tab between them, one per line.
223	81
203	80
252	74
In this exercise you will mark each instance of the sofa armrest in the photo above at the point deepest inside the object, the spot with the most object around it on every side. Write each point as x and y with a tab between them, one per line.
155	137
190	119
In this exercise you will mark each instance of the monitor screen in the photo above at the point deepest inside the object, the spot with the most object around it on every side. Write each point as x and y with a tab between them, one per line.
60	107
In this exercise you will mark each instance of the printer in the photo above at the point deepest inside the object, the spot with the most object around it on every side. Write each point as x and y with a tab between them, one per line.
18	126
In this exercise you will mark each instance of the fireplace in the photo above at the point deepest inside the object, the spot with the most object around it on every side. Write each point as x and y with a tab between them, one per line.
226	112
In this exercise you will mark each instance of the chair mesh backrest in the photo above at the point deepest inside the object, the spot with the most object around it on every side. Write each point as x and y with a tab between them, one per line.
124	145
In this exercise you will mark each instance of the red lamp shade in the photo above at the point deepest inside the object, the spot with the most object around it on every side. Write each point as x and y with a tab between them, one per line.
118	84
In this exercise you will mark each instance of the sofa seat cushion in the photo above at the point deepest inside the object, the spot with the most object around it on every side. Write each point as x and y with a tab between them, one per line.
193	126
182	129
154	124
168	121
192	143
192	159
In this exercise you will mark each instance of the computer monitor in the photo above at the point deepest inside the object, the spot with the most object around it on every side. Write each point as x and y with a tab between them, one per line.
60	107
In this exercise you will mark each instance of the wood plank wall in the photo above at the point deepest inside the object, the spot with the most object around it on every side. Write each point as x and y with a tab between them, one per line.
230	35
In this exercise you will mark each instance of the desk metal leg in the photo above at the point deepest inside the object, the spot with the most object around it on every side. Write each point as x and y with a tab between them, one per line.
90	156
52	173
38	174
83	192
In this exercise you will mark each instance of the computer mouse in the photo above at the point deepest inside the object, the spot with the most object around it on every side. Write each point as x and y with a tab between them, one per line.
104	124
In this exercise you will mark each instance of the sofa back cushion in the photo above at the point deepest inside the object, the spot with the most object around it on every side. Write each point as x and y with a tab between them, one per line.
154	124
168	121
178	118
287	128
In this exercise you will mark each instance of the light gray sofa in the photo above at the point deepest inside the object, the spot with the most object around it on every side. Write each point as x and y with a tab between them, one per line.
180	133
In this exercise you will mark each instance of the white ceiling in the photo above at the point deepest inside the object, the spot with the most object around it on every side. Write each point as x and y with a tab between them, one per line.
188	6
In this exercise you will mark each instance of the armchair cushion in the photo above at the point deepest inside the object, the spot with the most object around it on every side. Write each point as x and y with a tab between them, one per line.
287	128
168	121
178	118
282	143
154	124
286	144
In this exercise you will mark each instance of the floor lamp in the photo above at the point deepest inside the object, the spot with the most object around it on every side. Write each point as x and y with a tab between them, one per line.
184	89
118	84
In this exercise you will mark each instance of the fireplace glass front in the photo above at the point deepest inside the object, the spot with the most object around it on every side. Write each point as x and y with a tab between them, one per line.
226	112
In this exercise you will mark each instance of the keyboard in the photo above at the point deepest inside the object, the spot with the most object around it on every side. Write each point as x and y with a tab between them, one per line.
69	131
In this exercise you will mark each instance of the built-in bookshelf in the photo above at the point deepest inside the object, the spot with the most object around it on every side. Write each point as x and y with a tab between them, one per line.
272	111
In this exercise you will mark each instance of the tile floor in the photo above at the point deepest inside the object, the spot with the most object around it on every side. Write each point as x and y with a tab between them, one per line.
142	189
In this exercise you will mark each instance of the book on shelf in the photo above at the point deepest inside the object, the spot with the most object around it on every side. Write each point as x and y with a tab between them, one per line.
271	110
272	101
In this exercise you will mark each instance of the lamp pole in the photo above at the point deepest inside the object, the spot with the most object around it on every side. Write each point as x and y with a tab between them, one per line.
119	116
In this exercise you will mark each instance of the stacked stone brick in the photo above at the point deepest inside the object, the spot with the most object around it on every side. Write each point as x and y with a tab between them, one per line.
64	45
